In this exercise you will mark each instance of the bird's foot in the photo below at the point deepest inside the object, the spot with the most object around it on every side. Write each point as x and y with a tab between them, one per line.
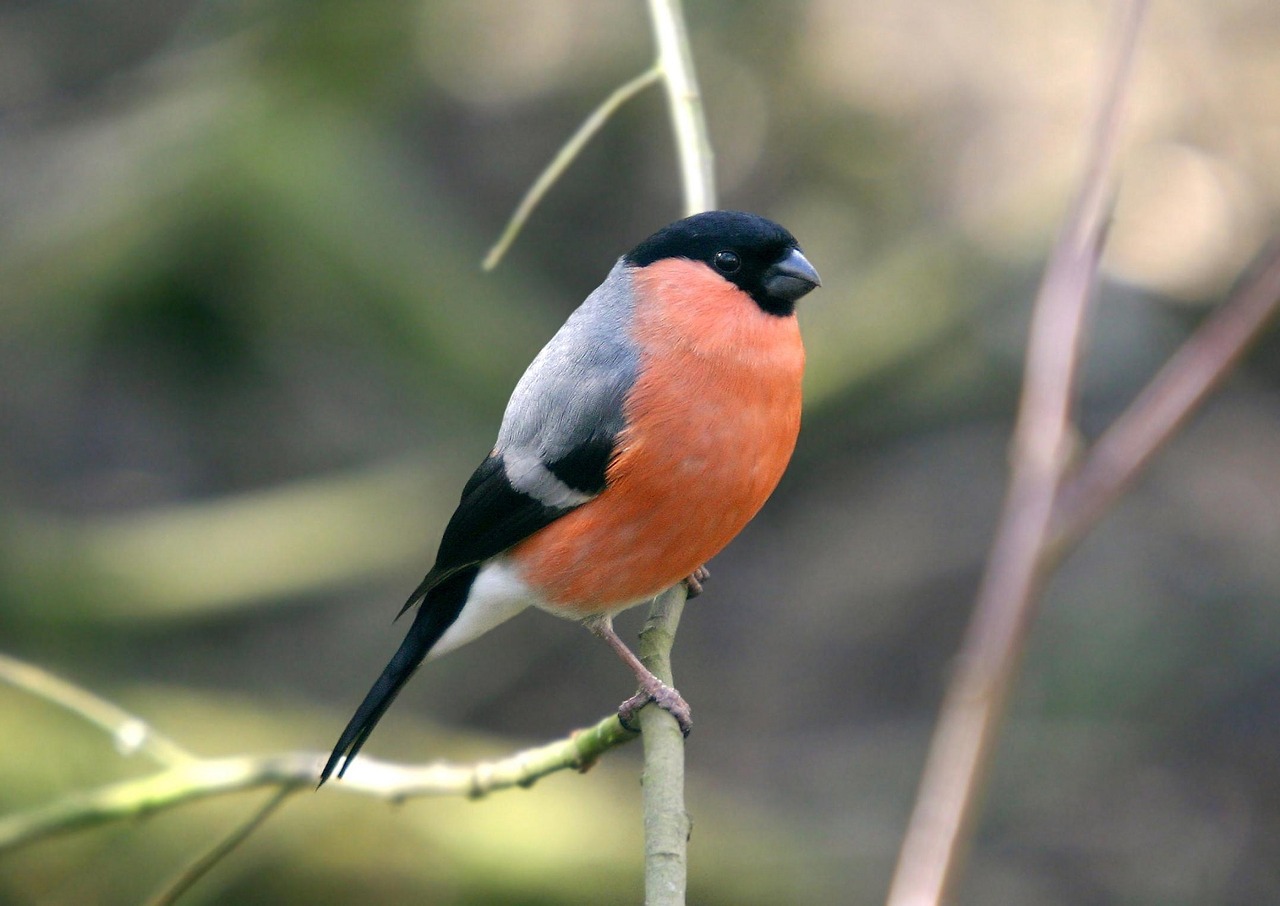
652	689
693	582
662	695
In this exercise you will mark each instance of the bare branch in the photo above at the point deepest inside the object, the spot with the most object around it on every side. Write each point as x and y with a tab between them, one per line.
131	734
207	860
1124	449
202	778
693	145
960	754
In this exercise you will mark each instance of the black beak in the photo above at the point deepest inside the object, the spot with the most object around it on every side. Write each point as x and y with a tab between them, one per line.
792	277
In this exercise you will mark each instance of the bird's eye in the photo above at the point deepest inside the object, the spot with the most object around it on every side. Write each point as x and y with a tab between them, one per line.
727	262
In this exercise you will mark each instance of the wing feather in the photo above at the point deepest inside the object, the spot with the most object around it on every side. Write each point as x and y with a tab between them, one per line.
558	436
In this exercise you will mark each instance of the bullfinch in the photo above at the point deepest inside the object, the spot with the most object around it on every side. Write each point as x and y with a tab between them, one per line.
642	438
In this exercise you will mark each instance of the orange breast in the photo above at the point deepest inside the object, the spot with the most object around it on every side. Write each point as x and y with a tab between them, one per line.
711	425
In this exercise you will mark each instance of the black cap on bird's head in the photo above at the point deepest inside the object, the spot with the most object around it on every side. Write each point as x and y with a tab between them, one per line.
757	255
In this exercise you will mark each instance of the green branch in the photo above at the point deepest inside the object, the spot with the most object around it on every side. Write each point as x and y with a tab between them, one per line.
688	120
674	67
202	778
216	853
666	822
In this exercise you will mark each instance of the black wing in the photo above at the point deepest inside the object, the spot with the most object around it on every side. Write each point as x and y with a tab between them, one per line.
493	516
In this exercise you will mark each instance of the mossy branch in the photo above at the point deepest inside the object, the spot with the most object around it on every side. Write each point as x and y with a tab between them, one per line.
666	822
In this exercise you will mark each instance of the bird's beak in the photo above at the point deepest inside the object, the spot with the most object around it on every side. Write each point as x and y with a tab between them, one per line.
792	277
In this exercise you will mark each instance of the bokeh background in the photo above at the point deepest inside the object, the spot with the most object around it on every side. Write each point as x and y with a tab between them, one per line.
247	359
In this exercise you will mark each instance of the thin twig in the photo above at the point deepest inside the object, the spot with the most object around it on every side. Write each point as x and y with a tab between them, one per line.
207	860
1193	372
960	753
688	120
203	778
131	734
567	154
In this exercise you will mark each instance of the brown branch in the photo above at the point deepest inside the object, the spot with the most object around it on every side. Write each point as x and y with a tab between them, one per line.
960	753
1194	371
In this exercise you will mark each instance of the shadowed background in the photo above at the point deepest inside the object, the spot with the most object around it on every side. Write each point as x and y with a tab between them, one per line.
247	360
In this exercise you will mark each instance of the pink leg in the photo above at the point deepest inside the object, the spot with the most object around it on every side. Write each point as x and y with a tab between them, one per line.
652	689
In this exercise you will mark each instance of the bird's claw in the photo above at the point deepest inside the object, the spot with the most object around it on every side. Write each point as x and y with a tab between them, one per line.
662	695
693	582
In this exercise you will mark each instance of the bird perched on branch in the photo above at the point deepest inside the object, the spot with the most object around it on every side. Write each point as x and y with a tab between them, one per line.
645	435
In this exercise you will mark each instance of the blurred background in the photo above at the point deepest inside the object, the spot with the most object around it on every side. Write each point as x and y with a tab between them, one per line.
248	358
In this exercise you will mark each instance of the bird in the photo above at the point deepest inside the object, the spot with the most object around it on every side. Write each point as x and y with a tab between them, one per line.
639	442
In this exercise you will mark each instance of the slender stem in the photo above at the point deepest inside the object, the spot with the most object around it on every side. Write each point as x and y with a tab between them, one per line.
207	860
1199	366
693	144
674	67
567	154
960	754
131	734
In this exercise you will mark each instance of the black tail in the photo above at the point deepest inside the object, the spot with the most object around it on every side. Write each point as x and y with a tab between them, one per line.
437	613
